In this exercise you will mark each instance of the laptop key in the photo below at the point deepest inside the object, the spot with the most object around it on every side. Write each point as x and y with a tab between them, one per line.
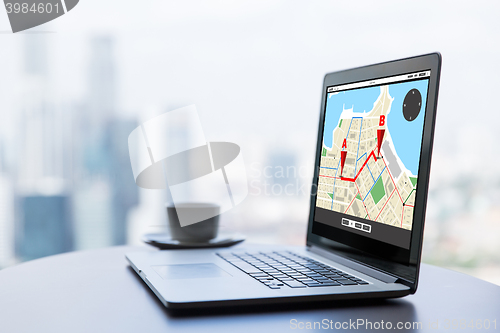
322	279
346	282
334	276
259	276
271	271
313	267
321	271
270	281
306	281
331	284
309	282
247	268
326	285
313	275
278	276
294	284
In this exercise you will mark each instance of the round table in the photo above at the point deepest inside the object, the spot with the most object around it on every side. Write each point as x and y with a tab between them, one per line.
96	291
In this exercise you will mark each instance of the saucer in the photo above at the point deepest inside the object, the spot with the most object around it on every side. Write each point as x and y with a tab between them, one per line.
164	241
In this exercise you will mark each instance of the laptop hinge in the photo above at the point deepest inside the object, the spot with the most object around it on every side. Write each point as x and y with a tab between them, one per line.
354	265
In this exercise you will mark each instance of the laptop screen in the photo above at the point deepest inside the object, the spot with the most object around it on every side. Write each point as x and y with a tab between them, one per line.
370	156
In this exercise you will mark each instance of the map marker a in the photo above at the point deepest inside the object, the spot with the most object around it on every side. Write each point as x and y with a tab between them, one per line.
343	155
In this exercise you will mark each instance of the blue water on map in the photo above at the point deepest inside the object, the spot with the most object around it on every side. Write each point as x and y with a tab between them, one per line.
361	100
407	135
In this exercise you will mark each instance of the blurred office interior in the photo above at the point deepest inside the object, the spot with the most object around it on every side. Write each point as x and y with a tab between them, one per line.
73	89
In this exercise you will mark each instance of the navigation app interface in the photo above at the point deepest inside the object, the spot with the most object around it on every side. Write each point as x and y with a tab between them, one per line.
370	156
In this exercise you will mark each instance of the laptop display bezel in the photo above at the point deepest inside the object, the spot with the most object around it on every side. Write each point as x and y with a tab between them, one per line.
406	272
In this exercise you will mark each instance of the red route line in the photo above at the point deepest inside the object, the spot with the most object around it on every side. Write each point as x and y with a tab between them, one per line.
362	201
408	206
393	181
356	177
385	205
360	169
359	172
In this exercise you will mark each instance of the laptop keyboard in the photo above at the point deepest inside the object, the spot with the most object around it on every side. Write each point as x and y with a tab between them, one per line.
280	269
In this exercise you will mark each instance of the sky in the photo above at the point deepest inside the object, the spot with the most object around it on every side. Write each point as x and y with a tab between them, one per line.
239	61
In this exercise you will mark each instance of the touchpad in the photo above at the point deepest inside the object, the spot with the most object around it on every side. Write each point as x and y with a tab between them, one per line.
190	271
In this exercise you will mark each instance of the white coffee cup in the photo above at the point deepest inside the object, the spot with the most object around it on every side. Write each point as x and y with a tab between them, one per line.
198	232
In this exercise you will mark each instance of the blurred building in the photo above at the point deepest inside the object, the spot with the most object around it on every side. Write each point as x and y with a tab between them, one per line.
44	225
104	187
6	221
46	229
92	214
124	191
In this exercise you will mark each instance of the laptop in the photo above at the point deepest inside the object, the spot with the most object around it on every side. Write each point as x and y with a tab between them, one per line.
367	204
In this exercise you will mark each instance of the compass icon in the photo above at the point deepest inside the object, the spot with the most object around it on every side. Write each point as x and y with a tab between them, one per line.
412	104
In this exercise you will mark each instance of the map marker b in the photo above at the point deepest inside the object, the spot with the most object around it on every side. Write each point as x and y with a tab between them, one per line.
380	137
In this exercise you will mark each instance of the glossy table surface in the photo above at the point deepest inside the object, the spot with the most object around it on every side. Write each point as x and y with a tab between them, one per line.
96	291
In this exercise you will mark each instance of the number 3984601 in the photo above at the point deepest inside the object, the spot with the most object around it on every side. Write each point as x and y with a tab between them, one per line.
34	8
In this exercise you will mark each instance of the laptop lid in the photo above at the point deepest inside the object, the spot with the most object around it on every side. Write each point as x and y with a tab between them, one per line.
373	157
